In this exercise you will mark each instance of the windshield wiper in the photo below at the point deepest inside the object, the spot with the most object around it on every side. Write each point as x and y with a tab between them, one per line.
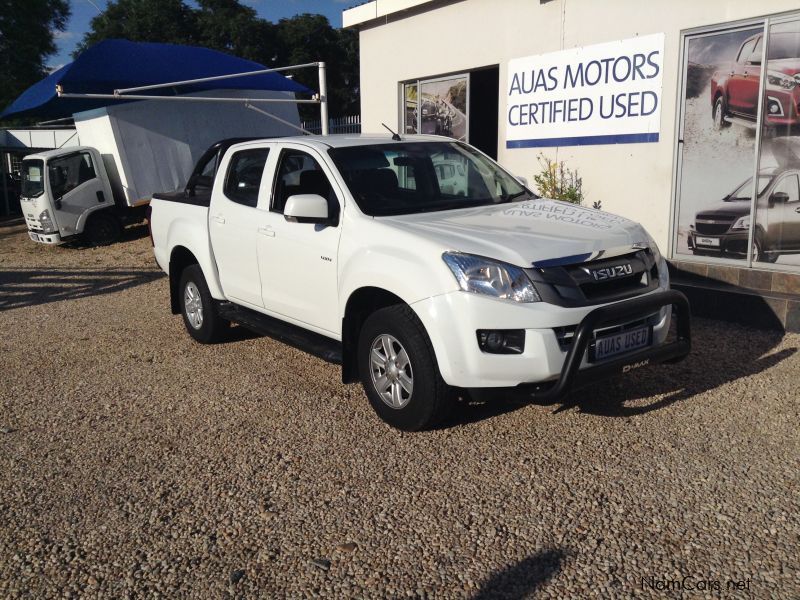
511	197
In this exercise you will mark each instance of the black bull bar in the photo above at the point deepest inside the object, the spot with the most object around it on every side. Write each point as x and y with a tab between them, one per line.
671	352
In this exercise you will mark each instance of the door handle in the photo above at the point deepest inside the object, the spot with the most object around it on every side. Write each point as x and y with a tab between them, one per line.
219	218
267	231
797	210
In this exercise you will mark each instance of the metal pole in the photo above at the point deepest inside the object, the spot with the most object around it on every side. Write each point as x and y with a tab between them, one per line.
5	186
323	99
186	98
271	116
760	119
215	78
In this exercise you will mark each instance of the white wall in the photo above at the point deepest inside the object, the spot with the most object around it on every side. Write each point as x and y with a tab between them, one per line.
630	179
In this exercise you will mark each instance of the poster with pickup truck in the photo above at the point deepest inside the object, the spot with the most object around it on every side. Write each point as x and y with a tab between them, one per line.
721	121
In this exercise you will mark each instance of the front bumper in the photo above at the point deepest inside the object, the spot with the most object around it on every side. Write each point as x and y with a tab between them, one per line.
732	244
451	321
571	374
46	238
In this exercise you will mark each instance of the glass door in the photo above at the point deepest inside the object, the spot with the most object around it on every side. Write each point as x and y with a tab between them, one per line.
776	236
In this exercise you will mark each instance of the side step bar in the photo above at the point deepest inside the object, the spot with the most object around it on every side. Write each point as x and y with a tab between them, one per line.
320	346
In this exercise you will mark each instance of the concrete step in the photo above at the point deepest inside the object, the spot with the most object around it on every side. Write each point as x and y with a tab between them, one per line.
758	298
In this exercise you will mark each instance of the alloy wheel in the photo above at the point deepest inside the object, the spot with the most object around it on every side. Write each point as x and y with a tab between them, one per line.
193	305
391	371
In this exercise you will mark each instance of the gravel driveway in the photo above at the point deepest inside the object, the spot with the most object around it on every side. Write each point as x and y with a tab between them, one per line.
134	461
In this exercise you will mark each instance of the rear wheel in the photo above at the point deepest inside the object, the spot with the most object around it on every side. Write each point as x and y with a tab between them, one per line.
399	372
102	228
199	311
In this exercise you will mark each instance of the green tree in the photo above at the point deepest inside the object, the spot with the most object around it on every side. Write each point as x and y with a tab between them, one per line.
308	38
228	26
26	40
167	21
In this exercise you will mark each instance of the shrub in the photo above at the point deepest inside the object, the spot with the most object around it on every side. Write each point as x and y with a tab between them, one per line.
558	182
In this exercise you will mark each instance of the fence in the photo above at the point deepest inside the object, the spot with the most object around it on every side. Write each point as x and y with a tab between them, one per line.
351	124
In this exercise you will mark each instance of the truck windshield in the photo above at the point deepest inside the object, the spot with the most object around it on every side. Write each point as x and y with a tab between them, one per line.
32	178
745	191
413	177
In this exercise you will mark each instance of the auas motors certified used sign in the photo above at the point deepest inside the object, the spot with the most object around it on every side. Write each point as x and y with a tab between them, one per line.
602	94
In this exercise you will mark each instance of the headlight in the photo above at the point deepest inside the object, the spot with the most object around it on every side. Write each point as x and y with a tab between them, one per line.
781	80
490	277
742	223
661	263
46	222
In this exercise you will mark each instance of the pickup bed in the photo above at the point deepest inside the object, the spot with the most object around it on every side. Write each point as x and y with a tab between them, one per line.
356	249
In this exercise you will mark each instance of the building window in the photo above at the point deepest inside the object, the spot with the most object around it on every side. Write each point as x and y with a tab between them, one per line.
739	146
437	106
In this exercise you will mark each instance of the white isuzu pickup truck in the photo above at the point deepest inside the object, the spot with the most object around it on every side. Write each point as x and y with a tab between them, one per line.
418	264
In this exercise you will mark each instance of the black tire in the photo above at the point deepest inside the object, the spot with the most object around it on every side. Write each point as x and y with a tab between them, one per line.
719	114
210	327
431	399
765	257
102	228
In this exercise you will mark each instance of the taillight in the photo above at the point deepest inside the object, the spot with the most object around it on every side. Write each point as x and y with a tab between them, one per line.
148	215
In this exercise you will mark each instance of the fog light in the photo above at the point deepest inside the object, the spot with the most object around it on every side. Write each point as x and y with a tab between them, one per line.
501	341
774	107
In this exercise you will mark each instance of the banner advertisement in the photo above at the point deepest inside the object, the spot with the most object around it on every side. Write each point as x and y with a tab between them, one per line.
602	94
721	121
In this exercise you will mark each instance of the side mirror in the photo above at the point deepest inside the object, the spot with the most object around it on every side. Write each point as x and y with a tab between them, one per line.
306	208
778	198
522	180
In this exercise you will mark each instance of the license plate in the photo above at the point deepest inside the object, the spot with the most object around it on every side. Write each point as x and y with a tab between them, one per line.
707	241
34	236
620	343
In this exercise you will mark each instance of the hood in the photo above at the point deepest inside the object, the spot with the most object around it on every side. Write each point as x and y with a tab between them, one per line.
534	232
787	66
734	208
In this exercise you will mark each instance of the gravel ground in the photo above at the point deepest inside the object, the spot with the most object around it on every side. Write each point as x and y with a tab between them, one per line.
135	462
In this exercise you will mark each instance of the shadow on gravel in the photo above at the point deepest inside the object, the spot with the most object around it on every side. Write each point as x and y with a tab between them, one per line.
31	287
523	578
721	353
130	233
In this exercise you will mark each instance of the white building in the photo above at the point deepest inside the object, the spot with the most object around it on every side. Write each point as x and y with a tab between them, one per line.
624	91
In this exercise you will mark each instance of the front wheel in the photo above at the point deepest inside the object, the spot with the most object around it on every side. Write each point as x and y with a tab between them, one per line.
199	312
760	256
720	108
399	372
102	228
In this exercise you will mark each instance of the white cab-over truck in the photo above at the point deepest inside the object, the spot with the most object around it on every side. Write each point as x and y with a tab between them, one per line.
356	249
127	152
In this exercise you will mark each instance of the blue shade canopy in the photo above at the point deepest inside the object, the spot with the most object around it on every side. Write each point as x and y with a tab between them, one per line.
119	64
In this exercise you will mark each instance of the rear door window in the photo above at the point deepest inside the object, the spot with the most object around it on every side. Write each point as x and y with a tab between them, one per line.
243	179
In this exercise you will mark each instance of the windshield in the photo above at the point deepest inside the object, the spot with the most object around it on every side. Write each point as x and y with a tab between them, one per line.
745	191
403	178
783	44
32	180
